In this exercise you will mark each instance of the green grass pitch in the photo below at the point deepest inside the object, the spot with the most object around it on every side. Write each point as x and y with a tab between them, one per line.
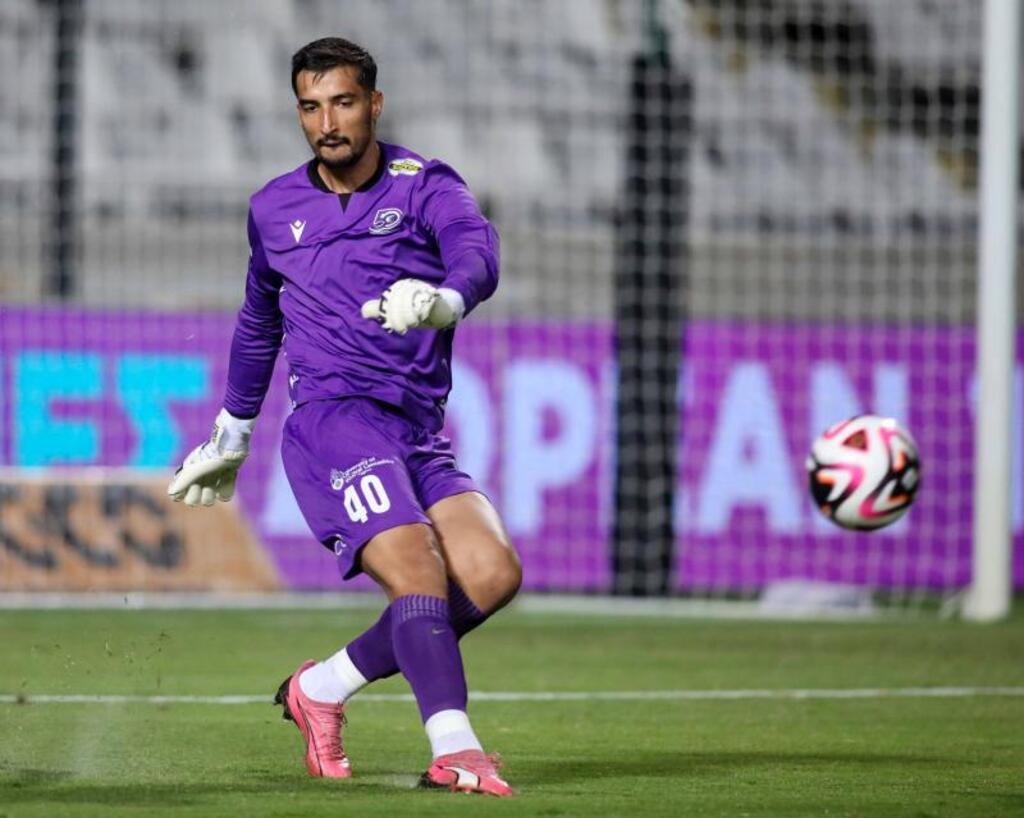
914	757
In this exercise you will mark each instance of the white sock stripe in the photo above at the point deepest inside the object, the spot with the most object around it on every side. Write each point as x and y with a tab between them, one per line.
347	673
332	680
449	731
318	683
447	721
550	696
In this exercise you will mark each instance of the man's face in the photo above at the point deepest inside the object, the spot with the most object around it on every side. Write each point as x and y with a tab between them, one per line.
337	115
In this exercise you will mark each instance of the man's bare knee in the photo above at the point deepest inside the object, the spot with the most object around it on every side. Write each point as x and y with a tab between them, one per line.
493	581
406	560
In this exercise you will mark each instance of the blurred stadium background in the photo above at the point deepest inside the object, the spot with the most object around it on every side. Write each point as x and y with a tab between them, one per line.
725	224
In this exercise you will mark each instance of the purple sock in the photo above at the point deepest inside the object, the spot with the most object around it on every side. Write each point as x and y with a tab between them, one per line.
372	653
427	652
465	615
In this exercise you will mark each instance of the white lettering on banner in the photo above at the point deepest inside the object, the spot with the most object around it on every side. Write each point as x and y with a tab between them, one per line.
749	464
281	515
834	398
469	414
891	388
533	464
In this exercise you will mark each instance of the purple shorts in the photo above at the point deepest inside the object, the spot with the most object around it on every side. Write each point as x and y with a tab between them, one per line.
358	467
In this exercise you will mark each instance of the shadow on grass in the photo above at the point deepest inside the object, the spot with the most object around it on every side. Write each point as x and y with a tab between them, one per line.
60	787
28	786
690	764
29	776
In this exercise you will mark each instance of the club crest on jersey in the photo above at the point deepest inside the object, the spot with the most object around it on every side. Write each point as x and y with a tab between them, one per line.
339	477
386	220
404	167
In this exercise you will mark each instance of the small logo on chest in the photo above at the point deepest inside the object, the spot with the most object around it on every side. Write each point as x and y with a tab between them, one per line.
386	220
297	227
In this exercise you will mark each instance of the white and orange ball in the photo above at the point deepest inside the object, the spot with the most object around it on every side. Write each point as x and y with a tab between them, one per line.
864	472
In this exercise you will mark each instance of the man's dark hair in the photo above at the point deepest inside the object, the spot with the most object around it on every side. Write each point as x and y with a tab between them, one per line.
320	56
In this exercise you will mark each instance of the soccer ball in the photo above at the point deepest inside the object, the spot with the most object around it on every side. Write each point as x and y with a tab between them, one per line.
864	472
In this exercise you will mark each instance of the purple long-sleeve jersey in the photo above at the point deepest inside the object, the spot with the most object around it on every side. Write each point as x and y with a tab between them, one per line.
317	256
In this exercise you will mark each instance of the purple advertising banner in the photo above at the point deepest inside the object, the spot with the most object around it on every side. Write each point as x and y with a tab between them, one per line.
532	419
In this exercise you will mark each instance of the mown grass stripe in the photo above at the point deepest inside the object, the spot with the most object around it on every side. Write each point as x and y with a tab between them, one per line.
796	694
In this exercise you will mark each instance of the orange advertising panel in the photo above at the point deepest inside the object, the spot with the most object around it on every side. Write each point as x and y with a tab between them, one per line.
117	530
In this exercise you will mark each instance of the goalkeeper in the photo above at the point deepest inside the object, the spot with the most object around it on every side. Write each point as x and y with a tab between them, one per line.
363	260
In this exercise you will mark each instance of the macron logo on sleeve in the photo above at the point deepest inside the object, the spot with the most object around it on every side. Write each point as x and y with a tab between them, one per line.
297	228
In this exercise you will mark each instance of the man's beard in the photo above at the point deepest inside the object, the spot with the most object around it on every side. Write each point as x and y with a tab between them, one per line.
342	163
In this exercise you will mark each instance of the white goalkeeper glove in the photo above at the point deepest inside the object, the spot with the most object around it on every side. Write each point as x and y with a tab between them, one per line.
410	303
209	471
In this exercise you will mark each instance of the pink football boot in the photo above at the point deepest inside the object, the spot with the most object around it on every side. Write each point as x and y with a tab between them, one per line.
320	724
467	771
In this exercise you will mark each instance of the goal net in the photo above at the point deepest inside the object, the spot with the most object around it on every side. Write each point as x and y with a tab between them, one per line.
725	224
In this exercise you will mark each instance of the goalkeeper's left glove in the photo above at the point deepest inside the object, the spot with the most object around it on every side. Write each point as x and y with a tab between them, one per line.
410	303
209	471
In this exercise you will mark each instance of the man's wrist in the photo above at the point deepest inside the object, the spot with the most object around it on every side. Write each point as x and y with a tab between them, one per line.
232	434
448	309
235	425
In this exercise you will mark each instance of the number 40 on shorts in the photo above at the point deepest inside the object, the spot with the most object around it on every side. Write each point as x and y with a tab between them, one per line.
370	496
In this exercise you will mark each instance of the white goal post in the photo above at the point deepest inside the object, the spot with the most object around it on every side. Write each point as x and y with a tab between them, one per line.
990	591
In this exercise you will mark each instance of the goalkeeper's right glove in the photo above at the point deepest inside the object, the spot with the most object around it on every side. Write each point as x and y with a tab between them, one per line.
209	471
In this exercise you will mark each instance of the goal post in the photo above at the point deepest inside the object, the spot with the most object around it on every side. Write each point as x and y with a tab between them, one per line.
990	592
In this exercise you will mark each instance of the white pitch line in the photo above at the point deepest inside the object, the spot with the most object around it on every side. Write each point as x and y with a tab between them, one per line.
565	696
